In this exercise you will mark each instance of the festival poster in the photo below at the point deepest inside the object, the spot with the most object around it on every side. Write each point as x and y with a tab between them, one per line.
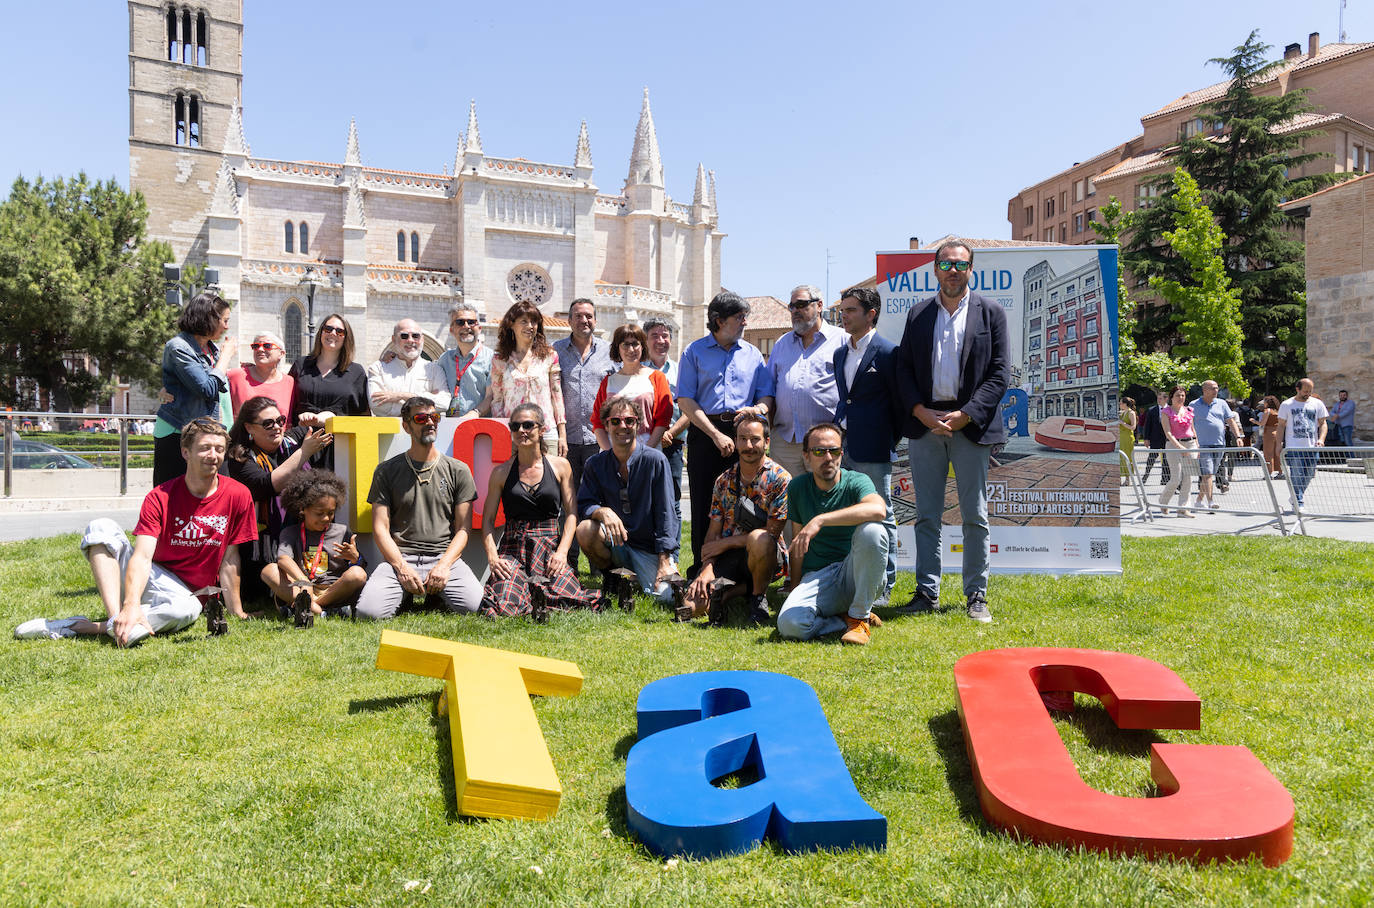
1054	487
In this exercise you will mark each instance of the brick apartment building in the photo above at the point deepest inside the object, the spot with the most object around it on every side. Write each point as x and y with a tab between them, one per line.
1339	79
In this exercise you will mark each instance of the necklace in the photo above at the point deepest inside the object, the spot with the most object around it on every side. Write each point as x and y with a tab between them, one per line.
420	475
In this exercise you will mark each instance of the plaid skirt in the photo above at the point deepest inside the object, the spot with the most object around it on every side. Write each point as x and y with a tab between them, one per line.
530	544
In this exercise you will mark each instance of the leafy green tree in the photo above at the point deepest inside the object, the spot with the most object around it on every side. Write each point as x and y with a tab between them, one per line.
1208	304
78	279
1243	174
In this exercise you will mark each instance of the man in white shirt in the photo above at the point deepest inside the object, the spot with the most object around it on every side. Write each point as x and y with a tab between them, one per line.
1302	420
392	383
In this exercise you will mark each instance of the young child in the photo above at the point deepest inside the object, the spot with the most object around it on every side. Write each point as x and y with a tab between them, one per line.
315	549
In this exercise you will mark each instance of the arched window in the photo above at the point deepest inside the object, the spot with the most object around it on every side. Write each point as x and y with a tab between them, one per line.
188	50
173	44
179	118
193	123
202	40
291	330
415	247
305	238
400	245
290	238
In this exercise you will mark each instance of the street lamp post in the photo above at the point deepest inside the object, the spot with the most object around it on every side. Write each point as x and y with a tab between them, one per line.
312	280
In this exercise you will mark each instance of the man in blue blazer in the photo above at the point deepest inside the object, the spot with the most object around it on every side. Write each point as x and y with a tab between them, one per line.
865	374
952	371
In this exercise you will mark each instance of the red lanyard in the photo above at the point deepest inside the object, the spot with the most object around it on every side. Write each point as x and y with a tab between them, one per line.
320	559
463	371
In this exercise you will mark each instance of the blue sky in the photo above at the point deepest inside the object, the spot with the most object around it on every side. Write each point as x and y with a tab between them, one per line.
839	127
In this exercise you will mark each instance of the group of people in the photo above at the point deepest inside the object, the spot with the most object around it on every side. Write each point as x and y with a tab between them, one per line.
788	466
1190	435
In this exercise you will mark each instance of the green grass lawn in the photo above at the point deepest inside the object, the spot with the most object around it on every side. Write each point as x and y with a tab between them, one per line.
276	766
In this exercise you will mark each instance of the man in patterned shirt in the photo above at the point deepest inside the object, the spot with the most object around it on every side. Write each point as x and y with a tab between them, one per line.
743	542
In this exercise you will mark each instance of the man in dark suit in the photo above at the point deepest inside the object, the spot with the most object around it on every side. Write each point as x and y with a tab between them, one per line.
1154	434
952	371
865	375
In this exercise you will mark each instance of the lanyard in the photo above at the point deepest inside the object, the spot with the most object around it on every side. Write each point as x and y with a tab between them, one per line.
320	559
463	371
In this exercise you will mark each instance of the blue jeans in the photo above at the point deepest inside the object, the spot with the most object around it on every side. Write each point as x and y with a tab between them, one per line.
1302	466
881	474
814	608
674	454
931	456
1345	436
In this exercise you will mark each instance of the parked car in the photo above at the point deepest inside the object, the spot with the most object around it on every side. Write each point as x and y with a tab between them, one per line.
34	455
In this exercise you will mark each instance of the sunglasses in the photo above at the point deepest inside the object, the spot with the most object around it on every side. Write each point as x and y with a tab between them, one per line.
527	425
263	346
617	421
465	322
800	304
410	335
334	329
272	423
425	419
957	266
822	453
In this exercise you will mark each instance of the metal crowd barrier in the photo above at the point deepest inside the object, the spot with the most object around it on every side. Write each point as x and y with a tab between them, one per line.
1336	483
15	459
1132	476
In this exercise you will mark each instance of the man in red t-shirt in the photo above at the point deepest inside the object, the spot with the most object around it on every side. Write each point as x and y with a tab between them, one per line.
187	538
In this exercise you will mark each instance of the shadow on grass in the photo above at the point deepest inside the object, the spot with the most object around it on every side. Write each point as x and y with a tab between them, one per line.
622	747
615	815
380	704
948	736
76	594
1102	734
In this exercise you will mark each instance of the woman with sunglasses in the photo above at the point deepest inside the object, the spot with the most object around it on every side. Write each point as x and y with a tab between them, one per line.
1181	450
646	386
264	376
264	455
525	370
193	378
328	381
529	568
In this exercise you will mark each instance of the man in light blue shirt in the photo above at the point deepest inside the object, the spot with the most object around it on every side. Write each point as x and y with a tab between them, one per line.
1211	415
1343	414
467	367
802	366
721	377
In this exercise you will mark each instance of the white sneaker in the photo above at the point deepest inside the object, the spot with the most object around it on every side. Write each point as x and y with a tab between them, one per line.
43	629
1213	505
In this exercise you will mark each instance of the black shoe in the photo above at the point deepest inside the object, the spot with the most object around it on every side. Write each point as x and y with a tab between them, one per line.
921	604
715	603
539	603
758	610
301	615
214	615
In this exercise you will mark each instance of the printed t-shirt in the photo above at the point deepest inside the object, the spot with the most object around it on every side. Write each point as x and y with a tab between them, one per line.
421	509
805	500
1301	418
316	556
192	532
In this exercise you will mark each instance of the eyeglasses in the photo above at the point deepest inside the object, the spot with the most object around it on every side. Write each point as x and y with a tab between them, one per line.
411	335
617	421
263	346
822	453
425	419
334	329
527	425
272	423
957	266
465	322
800	304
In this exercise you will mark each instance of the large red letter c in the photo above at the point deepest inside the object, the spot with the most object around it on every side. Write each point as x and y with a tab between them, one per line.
1218	801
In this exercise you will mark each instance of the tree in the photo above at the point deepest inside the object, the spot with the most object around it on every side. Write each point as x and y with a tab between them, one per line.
1208	304
1243	174
1153	370
78	279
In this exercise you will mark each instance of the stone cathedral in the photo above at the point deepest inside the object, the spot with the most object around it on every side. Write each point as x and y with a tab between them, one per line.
296	239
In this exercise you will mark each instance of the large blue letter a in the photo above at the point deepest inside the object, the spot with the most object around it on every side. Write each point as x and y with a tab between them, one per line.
694	729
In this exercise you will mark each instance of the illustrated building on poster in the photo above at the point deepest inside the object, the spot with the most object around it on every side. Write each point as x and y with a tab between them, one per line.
381	244
1068	359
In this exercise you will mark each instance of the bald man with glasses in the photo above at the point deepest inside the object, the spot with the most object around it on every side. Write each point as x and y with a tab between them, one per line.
393	381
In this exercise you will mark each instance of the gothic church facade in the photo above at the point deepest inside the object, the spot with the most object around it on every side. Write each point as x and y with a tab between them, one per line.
296	240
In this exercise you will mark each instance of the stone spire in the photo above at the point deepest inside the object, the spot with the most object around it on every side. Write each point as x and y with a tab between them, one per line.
472	141
354	215
234	141
646	166
711	197
699	193
458	153
225	202
584	149
352	156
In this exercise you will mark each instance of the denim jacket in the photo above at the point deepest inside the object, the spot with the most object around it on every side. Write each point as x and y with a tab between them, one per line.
190	377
